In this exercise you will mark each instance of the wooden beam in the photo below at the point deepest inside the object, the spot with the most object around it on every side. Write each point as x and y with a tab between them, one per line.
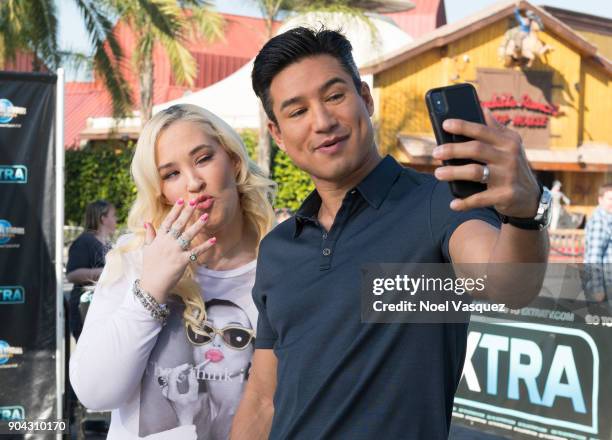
575	167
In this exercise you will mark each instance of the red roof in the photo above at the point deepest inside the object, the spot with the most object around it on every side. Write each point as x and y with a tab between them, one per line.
244	36
22	63
82	100
426	16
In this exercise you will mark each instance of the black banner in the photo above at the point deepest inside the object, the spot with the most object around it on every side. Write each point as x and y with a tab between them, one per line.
538	373
27	247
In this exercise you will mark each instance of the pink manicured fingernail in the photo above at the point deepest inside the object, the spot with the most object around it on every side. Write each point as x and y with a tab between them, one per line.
146	225
192	202
203	217
213	240
180	201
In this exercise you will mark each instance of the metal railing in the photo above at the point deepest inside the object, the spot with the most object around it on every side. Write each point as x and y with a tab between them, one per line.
567	244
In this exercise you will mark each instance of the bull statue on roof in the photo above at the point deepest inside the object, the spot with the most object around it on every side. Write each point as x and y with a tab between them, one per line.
521	44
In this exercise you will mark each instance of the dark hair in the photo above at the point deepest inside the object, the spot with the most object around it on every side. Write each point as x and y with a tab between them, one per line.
293	46
605	188
94	213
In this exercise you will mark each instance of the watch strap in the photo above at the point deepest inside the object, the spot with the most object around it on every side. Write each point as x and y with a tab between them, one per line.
522	223
530	224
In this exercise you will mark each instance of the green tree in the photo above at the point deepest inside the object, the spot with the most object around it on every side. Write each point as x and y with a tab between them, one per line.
169	24
98	171
31	26
293	183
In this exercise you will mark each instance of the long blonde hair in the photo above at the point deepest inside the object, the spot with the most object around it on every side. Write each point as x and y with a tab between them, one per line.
255	191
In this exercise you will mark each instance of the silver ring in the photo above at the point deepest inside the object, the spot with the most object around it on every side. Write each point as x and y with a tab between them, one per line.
193	257
175	233
485	174
183	243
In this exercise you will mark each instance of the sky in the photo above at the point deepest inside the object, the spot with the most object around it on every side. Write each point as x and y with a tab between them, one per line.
72	35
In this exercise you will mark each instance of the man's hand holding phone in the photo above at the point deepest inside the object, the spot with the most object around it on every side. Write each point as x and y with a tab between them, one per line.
512	189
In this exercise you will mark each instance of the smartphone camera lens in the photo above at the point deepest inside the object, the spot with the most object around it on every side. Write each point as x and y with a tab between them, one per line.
438	103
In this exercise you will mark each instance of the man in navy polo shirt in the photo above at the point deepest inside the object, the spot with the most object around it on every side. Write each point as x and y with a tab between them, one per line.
318	372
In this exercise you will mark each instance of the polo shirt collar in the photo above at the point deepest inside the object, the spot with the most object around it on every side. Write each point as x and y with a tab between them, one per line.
374	188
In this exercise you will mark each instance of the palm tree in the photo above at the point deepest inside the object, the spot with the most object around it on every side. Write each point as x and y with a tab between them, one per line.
270	9
170	26
31	26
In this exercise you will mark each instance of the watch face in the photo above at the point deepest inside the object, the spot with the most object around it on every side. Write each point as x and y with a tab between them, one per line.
545	206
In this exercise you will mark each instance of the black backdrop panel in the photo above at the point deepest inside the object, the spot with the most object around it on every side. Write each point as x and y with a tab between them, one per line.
27	246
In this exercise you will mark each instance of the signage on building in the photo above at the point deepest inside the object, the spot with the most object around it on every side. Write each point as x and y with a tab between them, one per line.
520	100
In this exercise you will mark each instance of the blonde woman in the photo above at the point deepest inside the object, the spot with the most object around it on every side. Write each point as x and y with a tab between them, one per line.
201	209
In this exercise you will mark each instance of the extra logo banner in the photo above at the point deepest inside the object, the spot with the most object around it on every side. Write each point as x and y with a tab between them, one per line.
10	113
28	311
536	380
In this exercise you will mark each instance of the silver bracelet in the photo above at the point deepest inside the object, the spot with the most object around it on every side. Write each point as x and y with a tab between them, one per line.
158	311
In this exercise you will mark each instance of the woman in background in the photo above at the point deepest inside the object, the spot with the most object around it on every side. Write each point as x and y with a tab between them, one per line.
87	254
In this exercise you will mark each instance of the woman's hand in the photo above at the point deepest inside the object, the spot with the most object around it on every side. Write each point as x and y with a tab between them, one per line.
186	405
164	260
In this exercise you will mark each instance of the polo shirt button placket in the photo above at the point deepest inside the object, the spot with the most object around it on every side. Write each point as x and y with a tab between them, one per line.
326	253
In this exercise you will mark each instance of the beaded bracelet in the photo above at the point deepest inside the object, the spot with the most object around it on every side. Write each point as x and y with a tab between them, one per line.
158	311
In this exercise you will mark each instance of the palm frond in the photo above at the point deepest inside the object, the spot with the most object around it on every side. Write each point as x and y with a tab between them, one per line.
271	8
76	61
42	30
99	27
350	8
10	35
183	64
166	15
107	65
30	26
206	24
114	82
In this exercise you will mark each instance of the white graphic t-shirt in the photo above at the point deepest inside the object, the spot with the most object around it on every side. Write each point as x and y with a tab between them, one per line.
167	382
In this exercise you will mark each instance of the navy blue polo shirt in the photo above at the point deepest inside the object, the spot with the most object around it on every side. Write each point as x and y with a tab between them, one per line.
339	378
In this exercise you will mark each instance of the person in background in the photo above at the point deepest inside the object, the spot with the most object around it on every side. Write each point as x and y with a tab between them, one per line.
87	254
598	247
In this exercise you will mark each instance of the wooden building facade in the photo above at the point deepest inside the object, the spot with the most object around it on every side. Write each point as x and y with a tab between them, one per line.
560	100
